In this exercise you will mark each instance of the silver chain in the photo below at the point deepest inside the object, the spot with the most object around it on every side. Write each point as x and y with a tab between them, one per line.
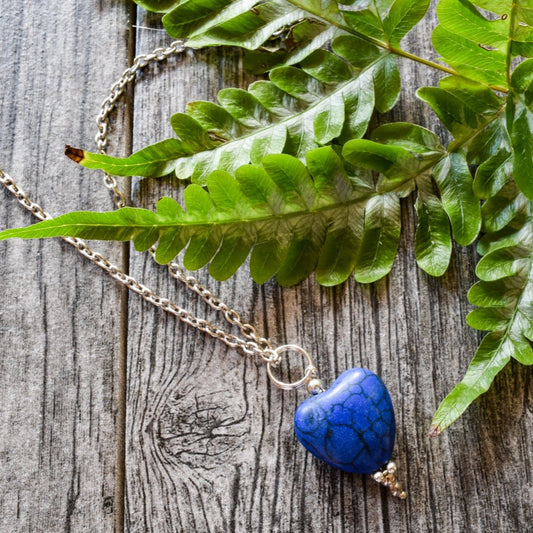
255	345
258	345
117	90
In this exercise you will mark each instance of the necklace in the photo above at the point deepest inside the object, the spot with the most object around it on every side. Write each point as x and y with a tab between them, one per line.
350	425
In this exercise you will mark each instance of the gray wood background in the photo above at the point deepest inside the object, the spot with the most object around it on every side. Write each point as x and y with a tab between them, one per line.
114	415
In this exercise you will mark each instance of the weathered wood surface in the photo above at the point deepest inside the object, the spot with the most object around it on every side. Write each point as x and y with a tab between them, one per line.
209	442
60	335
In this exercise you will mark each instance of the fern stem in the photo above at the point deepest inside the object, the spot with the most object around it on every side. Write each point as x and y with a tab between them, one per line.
509	58
418	59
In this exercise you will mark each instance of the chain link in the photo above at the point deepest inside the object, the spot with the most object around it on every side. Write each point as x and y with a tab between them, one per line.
232	316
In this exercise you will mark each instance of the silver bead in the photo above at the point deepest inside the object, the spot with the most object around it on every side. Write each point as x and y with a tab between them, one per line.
378	476
315	386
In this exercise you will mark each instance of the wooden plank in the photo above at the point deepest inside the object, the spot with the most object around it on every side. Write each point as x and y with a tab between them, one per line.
210	443
60	317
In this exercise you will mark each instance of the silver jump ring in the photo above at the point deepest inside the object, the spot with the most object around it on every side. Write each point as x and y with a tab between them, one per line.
310	371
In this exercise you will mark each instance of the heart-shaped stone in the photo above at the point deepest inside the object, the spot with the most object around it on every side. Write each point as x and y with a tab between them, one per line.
350	425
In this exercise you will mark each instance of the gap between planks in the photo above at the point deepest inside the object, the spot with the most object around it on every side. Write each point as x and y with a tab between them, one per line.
122	367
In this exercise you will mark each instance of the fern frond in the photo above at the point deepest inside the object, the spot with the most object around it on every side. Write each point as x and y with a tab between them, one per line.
329	98
520	125
293	219
278	31
387	21
250	23
286	31
407	154
504	296
246	23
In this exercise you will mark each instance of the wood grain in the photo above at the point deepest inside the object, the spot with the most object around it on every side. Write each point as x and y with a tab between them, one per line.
210	443
59	317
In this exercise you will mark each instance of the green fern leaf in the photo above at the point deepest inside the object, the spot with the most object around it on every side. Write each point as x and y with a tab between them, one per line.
479	48
246	23
285	32
520	125
491	357
380	239
386	21
297	110
504	296
294	45
251	23
458	199
433	242
492	174
407	155
472	113
277	31
292	218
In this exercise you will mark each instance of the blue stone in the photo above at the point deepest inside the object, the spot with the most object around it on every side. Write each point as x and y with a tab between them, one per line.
351	425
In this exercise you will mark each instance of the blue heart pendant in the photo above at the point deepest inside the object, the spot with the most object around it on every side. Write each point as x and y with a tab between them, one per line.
350	425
